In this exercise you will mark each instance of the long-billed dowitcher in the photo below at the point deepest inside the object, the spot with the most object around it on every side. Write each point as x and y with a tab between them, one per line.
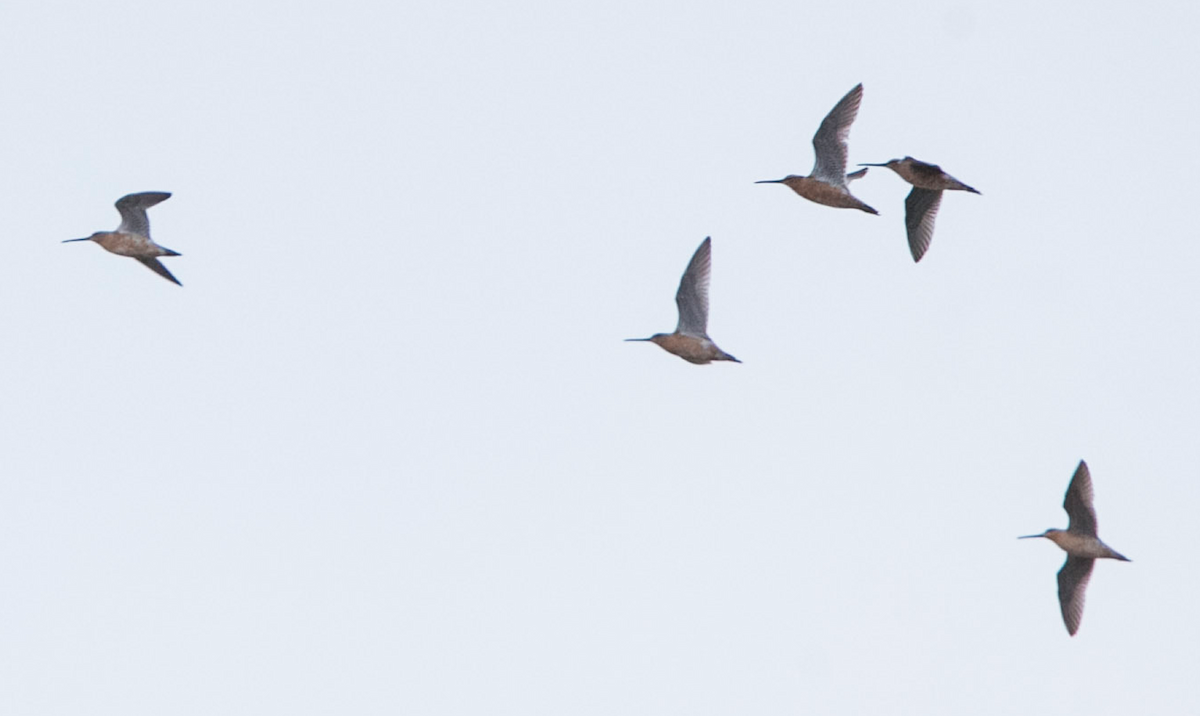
690	340
1082	546
921	206
132	237
827	182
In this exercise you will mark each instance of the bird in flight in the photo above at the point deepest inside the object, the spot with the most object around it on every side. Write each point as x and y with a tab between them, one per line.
132	237
827	182
921	206
1082	545
690	340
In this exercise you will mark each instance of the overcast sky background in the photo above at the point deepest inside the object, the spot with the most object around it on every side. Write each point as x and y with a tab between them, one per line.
386	453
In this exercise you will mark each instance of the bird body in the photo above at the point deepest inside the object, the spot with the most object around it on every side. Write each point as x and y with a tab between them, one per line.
690	340
824	193
693	349
827	184
923	174
921	206
132	237
126	244
1082	545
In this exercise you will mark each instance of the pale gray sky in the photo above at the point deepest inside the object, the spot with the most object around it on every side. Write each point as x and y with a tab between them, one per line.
386	453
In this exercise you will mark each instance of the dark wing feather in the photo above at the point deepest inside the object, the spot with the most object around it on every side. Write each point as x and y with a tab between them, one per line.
154	265
133	211
1072	583
1078	502
692	297
920	211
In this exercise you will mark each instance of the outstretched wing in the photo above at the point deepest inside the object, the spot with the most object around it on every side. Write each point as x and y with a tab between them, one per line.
133	211
156	266
1072	582
692	297
920	211
1078	502
830	140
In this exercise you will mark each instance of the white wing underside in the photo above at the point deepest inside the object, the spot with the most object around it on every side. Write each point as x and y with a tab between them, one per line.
829	142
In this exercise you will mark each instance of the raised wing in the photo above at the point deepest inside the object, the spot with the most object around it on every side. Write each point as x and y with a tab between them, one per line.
133	211
920	211
1078	502
830	139
692	297
156	266
1072	583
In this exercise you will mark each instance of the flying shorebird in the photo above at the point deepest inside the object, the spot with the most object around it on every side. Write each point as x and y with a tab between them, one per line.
827	182
132	237
690	340
1082	546
921	206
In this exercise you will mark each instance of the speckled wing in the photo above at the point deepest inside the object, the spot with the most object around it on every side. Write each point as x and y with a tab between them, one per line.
692	297
830	140
920	212
133	211
1078	502
156	266
1072	583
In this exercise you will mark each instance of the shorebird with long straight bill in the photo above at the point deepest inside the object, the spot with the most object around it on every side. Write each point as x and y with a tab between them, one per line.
132	237
690	340
1082	545
827	182
921	206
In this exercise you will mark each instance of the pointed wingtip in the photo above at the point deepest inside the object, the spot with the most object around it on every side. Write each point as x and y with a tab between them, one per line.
156	266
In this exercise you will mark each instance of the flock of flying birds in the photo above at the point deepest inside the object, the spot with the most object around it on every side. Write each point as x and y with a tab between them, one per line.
828	185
